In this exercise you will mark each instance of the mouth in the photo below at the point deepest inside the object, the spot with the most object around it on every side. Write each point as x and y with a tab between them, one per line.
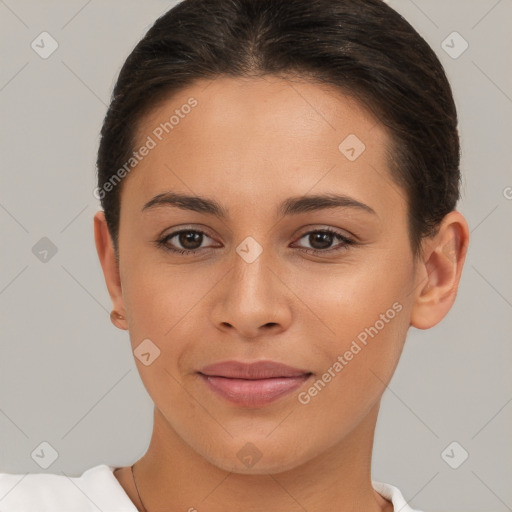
252	384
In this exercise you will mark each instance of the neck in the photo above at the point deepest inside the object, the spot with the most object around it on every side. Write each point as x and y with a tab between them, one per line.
174	477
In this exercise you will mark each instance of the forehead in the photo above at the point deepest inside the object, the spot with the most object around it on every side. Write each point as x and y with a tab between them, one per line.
292	108
260	138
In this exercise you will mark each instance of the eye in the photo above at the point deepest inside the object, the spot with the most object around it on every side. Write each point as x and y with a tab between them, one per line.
322	239
189	239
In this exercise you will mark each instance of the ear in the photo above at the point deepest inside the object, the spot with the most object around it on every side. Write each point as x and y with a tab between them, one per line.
439	271
106	254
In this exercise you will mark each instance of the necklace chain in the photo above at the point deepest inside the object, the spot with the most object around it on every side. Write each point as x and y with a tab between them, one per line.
138	493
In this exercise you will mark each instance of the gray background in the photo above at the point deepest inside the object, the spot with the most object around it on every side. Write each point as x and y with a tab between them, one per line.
68	376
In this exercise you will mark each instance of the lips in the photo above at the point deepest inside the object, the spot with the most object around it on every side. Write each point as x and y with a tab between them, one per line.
256	370
252	384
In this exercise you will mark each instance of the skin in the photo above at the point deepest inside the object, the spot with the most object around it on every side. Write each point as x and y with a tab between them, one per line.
249	144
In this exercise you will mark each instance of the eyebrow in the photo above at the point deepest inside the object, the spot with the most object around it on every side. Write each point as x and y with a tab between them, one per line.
291	206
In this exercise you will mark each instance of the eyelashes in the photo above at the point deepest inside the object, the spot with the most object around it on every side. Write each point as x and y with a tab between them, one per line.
164	242
344	244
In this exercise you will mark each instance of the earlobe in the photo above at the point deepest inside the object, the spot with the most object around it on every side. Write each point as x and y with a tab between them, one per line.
440	271
106	255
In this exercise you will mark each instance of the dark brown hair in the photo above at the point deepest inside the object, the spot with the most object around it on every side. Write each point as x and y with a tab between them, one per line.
363	47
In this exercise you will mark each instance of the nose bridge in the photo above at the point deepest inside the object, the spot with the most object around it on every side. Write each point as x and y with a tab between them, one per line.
252	276
250	297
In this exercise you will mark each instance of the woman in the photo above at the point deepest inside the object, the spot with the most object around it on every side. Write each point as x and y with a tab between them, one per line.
279	182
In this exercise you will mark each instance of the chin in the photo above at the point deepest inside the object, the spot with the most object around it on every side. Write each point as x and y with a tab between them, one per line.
258	457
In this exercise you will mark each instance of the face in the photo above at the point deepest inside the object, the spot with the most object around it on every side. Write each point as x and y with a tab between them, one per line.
324	286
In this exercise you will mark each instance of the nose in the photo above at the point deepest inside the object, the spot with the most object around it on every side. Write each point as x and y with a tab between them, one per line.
253	299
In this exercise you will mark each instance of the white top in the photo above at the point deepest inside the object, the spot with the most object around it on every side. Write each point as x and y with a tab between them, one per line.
98	489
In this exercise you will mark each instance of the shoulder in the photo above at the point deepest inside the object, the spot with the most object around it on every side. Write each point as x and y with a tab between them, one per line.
394	495
96	489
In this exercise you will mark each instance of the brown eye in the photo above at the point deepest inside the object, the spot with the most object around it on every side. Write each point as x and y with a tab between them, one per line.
322	240
190	239
186	241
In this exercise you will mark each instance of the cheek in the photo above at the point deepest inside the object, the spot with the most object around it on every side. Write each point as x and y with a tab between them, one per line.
364	313
160	304
359	361
345	299
159	300
165	304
